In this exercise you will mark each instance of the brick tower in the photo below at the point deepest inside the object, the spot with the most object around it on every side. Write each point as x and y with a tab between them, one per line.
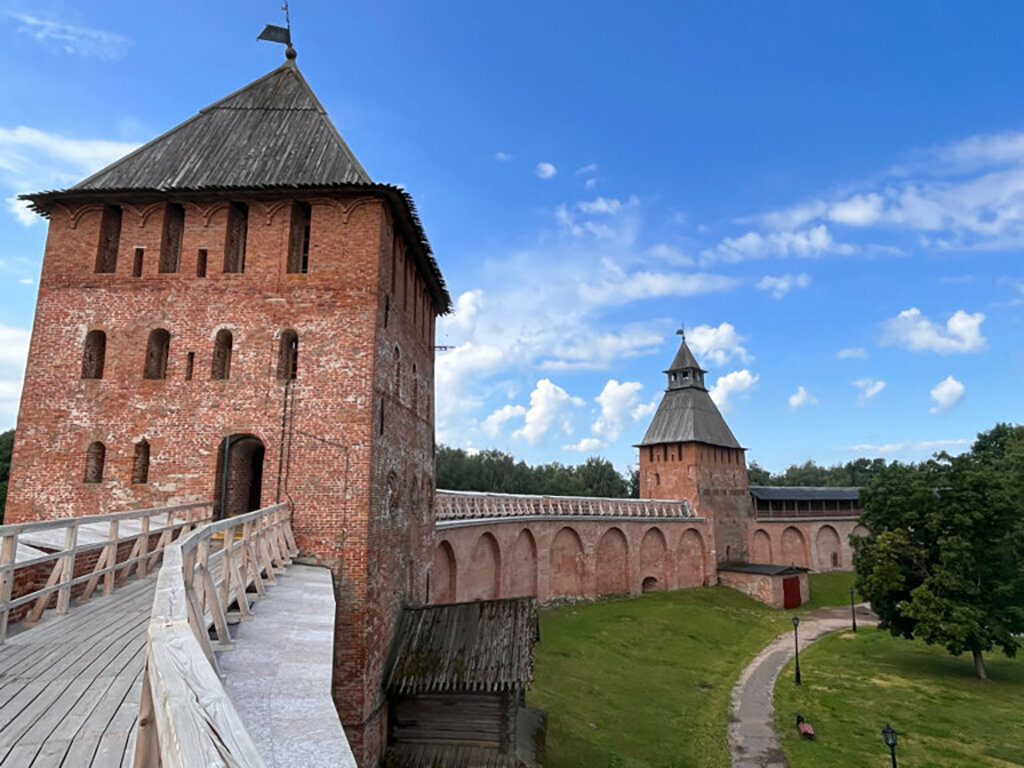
690	453
236	311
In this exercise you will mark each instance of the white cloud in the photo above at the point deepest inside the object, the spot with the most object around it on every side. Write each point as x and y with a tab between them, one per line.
492	424
805	244
32	160
868	389
910	446
620	405
590	183
593	351
947	395
13	354
502	157
858	211
783	284
587	169
618	287
600	205
545	170
912	330
586	445
550	405
466	307
850	352
800	398
456	377
717	344
68	38
735	383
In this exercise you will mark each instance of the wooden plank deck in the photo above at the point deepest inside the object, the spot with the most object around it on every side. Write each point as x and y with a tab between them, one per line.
70	686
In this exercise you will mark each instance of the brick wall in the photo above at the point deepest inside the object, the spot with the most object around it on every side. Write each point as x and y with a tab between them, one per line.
328	456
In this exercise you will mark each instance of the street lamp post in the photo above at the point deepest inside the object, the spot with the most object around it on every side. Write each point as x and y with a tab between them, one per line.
796	647
853	610
889	735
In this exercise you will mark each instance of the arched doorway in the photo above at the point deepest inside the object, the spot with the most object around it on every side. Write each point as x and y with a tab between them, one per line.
239	481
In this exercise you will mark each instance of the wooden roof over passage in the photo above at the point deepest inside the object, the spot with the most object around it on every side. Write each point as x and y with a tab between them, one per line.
484	646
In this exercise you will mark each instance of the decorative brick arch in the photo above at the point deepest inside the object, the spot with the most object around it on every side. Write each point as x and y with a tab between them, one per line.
761	547
482	574
692	571
653	557
859	531
442	574
523	565
613	563
567	564
794	547
827	549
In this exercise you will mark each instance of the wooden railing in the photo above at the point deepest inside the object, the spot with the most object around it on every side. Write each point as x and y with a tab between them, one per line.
185	716
61	544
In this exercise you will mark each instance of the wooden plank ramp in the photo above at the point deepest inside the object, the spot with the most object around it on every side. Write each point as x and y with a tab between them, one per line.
70	687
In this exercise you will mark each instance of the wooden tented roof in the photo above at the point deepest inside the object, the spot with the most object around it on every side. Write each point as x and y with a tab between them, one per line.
484	646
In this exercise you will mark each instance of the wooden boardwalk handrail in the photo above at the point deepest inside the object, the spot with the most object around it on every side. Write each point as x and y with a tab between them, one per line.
185	717
63	541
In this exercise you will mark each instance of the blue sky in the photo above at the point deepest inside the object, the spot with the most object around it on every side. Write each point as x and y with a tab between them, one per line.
830	197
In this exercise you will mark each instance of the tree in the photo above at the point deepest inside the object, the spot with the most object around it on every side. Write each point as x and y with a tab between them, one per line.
944	561
6	447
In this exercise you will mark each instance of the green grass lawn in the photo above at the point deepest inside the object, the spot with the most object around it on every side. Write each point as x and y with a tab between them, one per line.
854	684
828	589
646	681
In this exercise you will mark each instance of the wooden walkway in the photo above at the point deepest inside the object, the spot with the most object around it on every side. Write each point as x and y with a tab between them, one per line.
70	686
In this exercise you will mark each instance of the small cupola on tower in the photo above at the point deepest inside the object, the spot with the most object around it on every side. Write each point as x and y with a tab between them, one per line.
685	371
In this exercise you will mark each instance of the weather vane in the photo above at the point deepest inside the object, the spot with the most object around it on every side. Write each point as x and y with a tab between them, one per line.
276	34
682	331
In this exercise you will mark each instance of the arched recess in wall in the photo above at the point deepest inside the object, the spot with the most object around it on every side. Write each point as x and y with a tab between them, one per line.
481	578
566	564
653	550
220	367
94	355
613	563
442	574
238	482
794	548
828	552
691	559
761	547
523	565
860	531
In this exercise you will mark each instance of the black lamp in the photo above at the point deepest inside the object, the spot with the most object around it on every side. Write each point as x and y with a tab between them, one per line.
796	646
890	738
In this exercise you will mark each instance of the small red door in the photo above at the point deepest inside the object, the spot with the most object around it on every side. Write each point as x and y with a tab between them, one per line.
791	592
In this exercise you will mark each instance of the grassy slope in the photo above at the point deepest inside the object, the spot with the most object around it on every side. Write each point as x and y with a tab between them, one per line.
854	684
828	589
646	681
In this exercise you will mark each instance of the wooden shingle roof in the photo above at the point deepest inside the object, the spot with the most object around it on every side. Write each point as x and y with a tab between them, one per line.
484	646
270	138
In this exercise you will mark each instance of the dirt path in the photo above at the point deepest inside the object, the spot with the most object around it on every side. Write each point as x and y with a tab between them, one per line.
752	739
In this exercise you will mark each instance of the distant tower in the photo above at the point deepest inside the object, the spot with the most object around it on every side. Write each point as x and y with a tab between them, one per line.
690	453
237	312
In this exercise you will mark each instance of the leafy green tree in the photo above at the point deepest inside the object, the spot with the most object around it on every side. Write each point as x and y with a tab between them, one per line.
498	472
944	561
6	447
758	475
634	482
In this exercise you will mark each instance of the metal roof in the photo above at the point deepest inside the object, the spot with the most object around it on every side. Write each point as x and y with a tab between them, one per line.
803	493
484	646
689	415
274	131
763	569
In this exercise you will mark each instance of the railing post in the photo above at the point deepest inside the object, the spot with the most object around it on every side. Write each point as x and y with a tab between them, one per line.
8	551
108	577
140	569
67	568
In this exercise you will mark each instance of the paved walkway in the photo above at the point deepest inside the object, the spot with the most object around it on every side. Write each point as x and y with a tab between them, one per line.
752	739
279	675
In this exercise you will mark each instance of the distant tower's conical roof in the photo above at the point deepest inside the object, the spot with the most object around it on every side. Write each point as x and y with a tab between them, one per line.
273	132
687	414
